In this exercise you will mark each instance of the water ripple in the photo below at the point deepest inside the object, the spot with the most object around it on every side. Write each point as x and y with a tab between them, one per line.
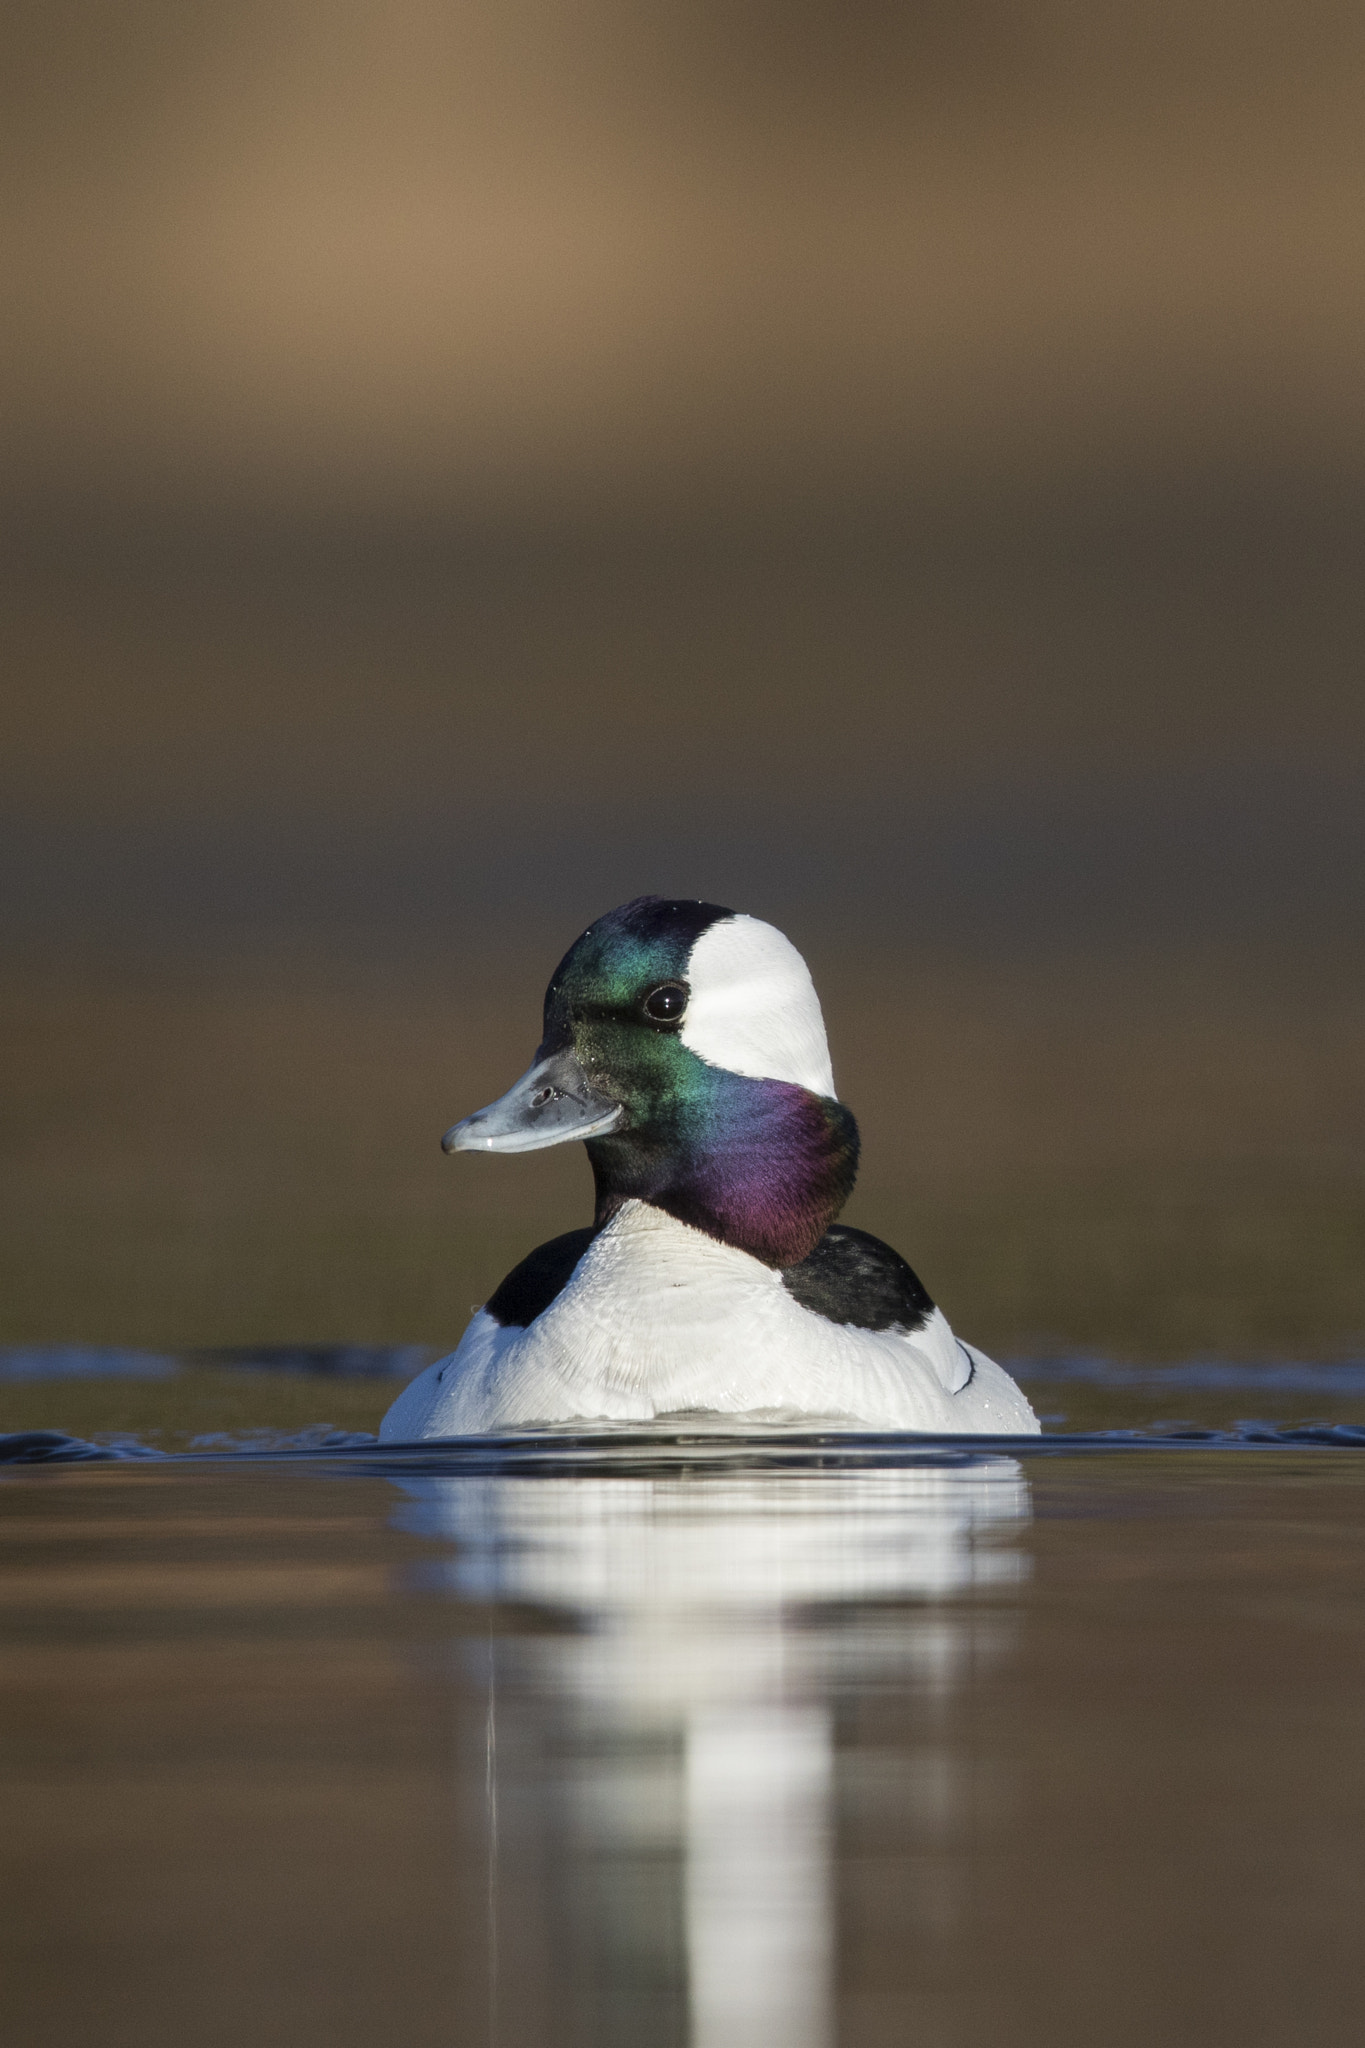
640	1450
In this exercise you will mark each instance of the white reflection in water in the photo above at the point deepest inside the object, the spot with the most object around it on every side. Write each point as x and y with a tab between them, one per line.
759	1912
713	1622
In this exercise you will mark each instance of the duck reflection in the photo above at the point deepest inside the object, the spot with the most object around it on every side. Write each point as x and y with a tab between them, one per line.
669	1662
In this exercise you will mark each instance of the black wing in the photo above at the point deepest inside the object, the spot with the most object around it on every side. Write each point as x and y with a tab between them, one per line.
530	1287
851	1277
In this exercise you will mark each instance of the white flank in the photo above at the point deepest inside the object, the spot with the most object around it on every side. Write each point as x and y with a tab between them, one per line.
660	1319
753	1006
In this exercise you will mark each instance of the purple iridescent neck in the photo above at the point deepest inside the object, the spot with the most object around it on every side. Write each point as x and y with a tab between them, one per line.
762	1165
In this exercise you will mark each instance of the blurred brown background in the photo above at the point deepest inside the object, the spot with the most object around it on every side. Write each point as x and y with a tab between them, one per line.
897	470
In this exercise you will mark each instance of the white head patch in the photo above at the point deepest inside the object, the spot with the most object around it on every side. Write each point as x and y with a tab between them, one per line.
753	1006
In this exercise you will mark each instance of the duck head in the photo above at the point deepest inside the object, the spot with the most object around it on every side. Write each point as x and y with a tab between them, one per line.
684	1043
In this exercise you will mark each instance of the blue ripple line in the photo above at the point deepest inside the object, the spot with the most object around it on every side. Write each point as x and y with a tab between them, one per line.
1199	1375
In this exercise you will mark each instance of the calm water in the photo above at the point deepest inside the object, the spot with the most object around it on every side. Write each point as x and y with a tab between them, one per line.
665	1743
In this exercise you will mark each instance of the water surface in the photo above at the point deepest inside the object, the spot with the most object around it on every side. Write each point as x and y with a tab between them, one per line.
668	1742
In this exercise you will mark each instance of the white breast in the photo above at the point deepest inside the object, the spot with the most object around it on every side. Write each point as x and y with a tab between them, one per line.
661	1320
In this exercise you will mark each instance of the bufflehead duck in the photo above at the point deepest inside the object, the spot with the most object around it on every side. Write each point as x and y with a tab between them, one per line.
684	1043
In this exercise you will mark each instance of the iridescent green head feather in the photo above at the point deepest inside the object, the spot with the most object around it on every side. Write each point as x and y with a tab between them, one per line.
684	1043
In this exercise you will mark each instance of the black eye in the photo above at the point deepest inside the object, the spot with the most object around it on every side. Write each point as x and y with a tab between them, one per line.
665	1005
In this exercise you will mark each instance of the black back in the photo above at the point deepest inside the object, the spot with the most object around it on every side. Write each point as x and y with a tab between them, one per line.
851	1277
530	1287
